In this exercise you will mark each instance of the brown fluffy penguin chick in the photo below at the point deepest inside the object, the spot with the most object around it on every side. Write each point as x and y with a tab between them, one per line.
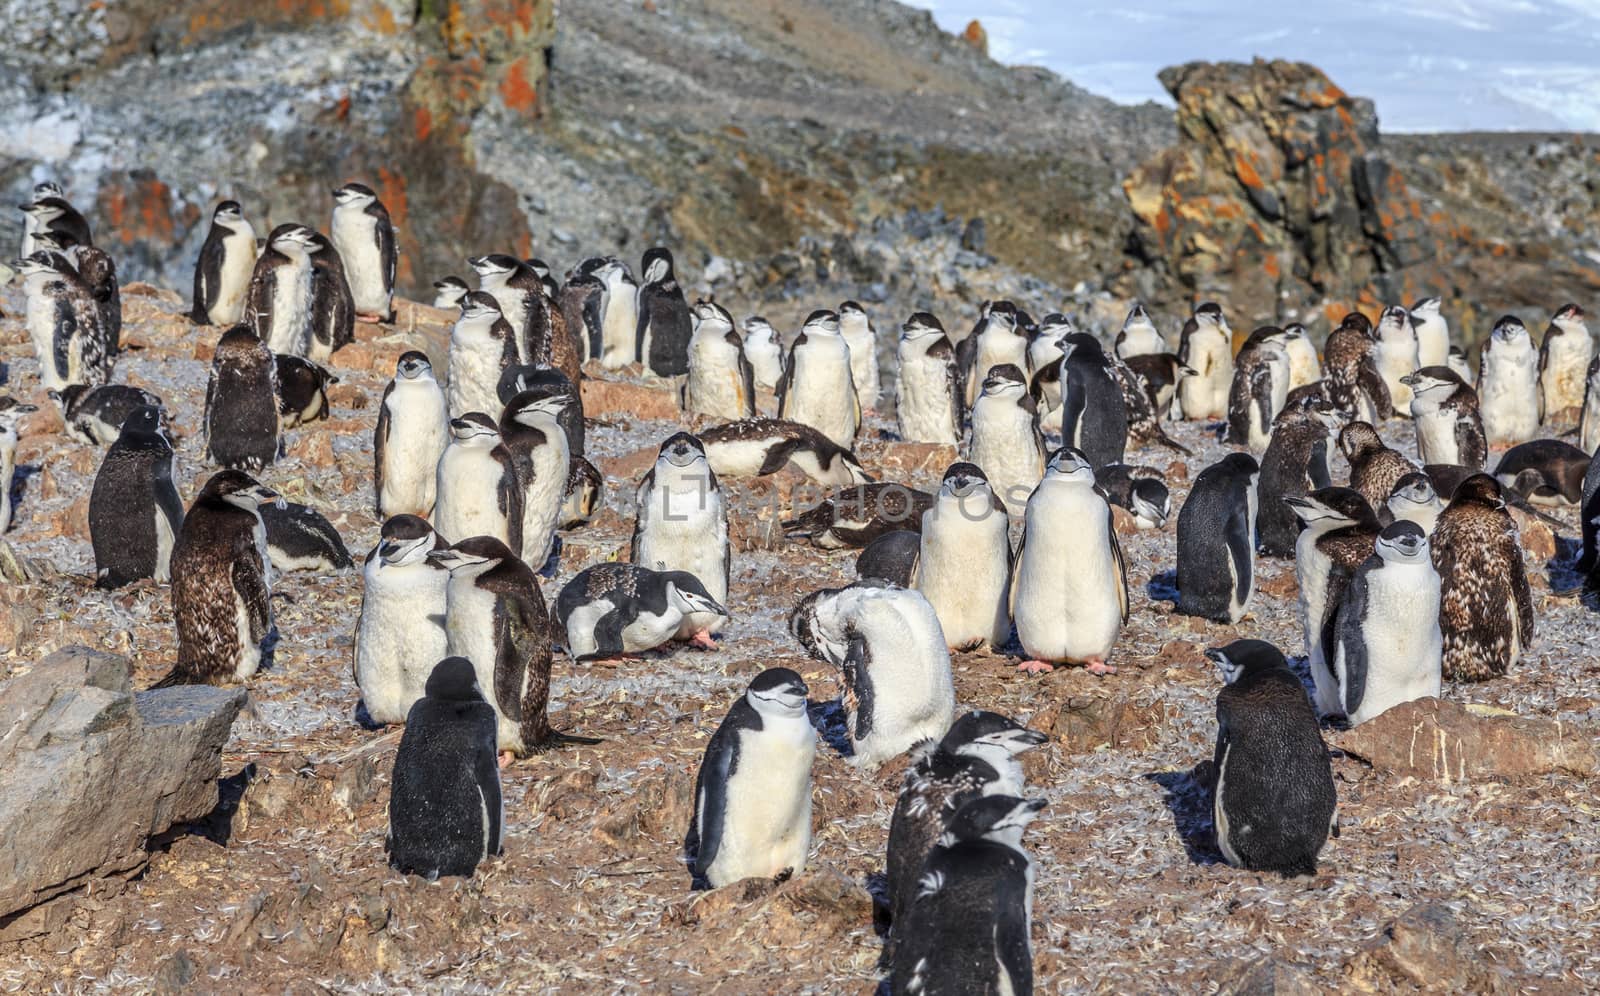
1485	608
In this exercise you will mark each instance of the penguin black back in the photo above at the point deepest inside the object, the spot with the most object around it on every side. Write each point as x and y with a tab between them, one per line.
1296	461
135	513
665	323
242	419
1094	418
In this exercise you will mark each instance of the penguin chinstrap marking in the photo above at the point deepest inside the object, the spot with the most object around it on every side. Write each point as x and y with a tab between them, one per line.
929	389
1387	643
757	447
1216	548
1339	535
1069	586
412	433
1260	388
64	323
999	339
531	432
1296	462
222	272
299	538
11	413
1448	419
1138	335
364	237
1486	608
400	633
752	794
855	326
479	492
135	514
665	322
1395	354
721	381
764	349
1093	414
1413	499
222	583
483	345
445	807
682	525
1206	347
964	561
614	610
817	388
968	925
1508	388
243	426
1274	802
94	415
279	304
1006	441
448	292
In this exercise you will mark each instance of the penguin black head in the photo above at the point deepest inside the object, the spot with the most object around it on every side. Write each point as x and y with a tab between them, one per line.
1433	383
979	731
494	269
1358	440
1084	343
66	398
1480	490
824	321
1393	317
1239	464
682	449
473	556
589	267
358	194
227	213
685	591
1003	313
778	691
656	265
451	284
46	209
241	347
529	407
962	479
239	489
1415	488
48	188
711	311
475	427
541	382
1403	541
1568	315
1243	656
1357	322
851	308
453	680
1069	464
1509	328
1426	309
1209	311
757	327
413	365
43	264
12	410
1004	377
994	817
293	240
143	422
1055	325
479	308
922	325
1137	316
405	539
1333	508
1264	335
1309	407
1152	500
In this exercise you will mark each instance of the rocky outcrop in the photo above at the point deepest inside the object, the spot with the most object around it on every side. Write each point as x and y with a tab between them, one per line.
90	771
1449	742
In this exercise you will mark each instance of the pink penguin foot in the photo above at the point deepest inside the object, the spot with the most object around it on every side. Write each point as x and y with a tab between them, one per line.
505	759
372	319
1036	667
703	640
1097	665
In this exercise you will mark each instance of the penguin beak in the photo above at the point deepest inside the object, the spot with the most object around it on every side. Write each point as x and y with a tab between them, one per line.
1409	380
266	496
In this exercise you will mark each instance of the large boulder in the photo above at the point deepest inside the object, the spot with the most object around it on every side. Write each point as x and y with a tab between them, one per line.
90	770
1440	740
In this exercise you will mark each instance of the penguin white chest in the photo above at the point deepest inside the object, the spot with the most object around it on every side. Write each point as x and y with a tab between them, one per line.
821	391
1067	604
470	633
619	325
716	383
1205	395
474	373
926	409
964	572
1508	395
290	333
767	820
233	280
355	236
468	495
1436	435
1395	355
41	319
541	503
400	636
1565	368
418	434
1004	445
1401	637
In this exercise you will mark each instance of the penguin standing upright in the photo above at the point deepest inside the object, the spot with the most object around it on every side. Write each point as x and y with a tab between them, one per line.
619	323
400	633
94	415
241	417
1589	419
413	430
1138	335
1216	540
278	304
221	583
99	274
1094	416
682	525
1260	388
135	513
610	610
1206	347
582	302
1564	359
64	323
333	309
547	382
516	290
1394	353
998	339
483	345
1304	365
1046	347
1485	608
1386	640
817	388
665	323
1274	800
1433	333
1354	384
928	390
856	329
964	560
32	226
11	413
721	381
752	794
1069	588
1508	388
542	457
1295	463
1374	467
1339	535
1450	427
764	350
445	809
222	273
478	492
1006	441
364	238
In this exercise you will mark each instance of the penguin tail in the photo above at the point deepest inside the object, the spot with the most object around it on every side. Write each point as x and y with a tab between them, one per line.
1160	436
557	740
177	676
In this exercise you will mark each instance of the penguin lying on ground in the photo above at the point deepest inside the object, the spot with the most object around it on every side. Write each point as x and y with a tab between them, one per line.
756	447
1141	490
857	516
94	415
612	610
302	539
302	390
1557	469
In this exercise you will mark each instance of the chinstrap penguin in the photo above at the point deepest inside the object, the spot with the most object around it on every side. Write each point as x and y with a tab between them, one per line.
1206	347
12	412
299	538
1006	441
1216	549
400	634
541	455
478	492
964	560
928	390
1485	608
665	322
682	525
302	390
364	237
817	388
721	381
94	415
412	433
135	514
855	516
609	611
760	446
1508	388
1386	643
243	427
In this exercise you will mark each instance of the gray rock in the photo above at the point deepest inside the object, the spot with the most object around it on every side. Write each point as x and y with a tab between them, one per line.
90	770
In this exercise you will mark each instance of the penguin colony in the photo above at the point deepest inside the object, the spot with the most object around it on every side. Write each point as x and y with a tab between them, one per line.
1410	576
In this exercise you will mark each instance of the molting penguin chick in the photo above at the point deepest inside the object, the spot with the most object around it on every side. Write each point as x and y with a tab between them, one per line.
817	388
64	323
856	516
1069	589
1206	347
1564	359
1374	467
1260	388
612	610
278	305
483	345
1158	375
135	513
764	350
241	417
1340	531
478	492
94	415
1413	499
1508	389
999	339
1387	644
1433	333
582	303
1449	424
1274	801
1354	384
894	664
299	538
445	811
665	323
756	447
682	525
1216	541
619	316
413	430
516	290
221	583
302	390
400	634
963	564
222	273
1141	490
448	292
541	455
11	413
928	390
1138	335
721	381
333	310
1394	353
858	334
364	237
1006	441
1485	609
752	794
1296	462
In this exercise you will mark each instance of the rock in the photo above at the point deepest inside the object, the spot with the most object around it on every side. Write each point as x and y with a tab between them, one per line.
617	397
1537	541
630	466
1264	976
820	898
1425	947
175	974
1449	742
1084	718
89	770
356	784
902	461
1123	521
976	36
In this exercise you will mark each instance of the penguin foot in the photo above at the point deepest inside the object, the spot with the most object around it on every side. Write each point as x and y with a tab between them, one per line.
370	319
505	759
703	640
1036	667
1097	665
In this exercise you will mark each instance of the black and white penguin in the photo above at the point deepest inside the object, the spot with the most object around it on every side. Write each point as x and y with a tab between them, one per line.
752	794
64	323
1433	333
963	564
221	583
1305	367
1158	375
1450	427
893	662
11	413
278	305
1386	640
682	525
1339	535
50	212
855	516
412	433
721	381
1485	608
612	610
30	221
333	308
585	486
1260	388
302	390
665	322
1508	383
516	290
1046	347
619	322
1138	335
1216	540
817	388
400	633
548	382
1069	588
1413	499
1374	467
1144	425
1274	802
222	273
1296	462
299	538
483	345
478	492
928	390
135	514
94	415
1094	416
243	427
1206	347
582	303
763	348
1564	359
532	434
1589	418
855	327
1350	370
1395	353
1006	441
999	339
364	237
1556	467
756	447
445	808
1141	490
1462	367
448	292
967	927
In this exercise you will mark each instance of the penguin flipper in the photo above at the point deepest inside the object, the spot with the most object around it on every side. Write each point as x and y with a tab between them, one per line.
1122	566
486	772
251	588
1317	466
1012	951
1349	651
